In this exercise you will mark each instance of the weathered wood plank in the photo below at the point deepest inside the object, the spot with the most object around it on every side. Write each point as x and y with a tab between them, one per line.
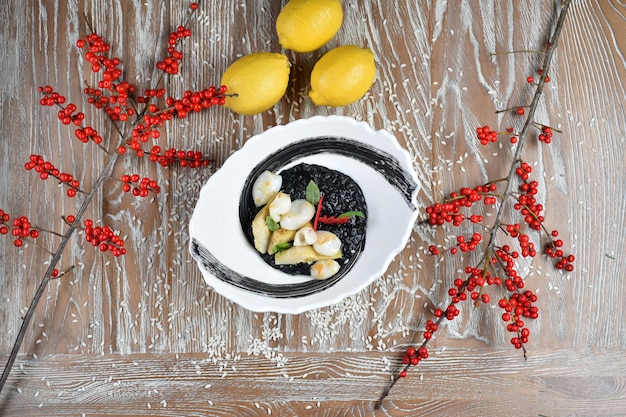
549	383
436	83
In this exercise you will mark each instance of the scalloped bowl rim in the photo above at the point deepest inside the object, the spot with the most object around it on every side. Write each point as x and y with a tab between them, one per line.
247	157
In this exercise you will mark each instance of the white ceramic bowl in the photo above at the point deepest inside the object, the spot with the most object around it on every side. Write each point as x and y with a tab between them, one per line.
374	159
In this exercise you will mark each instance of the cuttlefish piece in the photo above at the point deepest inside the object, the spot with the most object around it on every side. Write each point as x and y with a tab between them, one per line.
327	243
324	269
300	213
265	187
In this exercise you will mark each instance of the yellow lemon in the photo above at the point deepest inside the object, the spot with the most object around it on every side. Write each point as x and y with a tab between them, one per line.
342	76
305	25
256	82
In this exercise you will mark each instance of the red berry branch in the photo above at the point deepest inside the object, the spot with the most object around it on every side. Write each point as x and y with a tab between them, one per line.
135	122
505	241
47	170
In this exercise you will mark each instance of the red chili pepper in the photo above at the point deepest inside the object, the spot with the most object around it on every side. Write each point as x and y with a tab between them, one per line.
334	220
318	212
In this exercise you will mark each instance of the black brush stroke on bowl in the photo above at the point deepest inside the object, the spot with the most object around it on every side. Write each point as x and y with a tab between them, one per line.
377	159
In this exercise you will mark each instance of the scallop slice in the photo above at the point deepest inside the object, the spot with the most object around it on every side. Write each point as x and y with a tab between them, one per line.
305	236
279	206
299	214
324	269
327	243
265	187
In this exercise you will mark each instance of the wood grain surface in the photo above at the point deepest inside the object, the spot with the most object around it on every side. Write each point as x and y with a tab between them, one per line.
144	335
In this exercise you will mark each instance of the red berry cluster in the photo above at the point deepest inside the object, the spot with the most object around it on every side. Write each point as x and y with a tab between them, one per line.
554	250
545	135
140	187
197	100
47	170
477	278
50	97
466	245
517	307
191	159
192	101
505	257
69	114
104	238
449	210
141	133
174	56
116	102
486	135
526	245
20	228
526	202
149	94
412	355
88	133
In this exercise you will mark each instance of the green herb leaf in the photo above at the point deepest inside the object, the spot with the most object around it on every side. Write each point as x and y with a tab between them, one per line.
281	246
271	224
312	193
356	213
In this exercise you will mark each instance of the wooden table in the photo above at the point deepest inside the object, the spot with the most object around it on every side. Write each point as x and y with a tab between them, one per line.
144	335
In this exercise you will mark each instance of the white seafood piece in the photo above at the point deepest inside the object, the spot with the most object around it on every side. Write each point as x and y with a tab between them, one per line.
300	212
326	243
265	187
324	269
279	206
305	236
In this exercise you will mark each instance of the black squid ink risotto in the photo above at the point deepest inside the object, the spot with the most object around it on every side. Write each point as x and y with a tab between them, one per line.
341	194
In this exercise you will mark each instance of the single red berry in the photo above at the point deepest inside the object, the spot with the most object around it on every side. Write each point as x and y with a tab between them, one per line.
520	111
423	353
